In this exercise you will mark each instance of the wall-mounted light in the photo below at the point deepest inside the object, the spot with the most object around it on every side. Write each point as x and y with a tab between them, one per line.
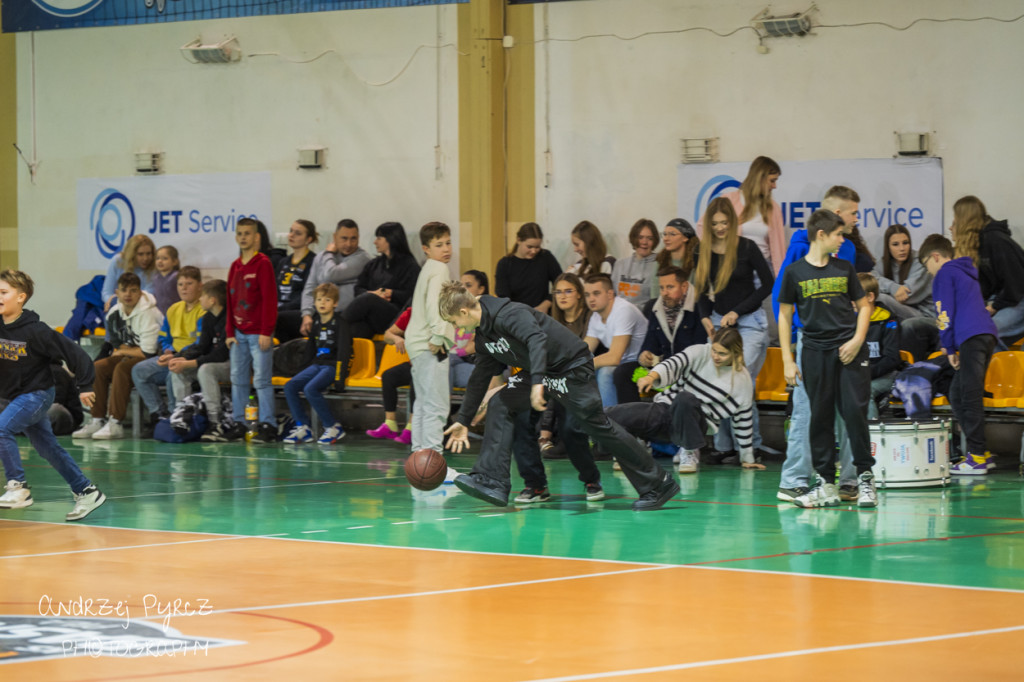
913	144
224	52
797	24
149	163
700	149
312	157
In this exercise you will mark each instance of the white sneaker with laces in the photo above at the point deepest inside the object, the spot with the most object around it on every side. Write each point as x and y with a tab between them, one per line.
16	496
85	503
89	428
112	430
300	434
821	495
689	461
332	434
867	496
449	477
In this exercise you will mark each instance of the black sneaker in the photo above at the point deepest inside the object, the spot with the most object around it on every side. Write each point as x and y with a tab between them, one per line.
849	493
235	432
790	494
470	485
264	433
657	496
214	433
594	491
531	495
148	426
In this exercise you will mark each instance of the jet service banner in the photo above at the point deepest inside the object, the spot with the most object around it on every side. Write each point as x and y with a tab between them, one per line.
196	214
904	191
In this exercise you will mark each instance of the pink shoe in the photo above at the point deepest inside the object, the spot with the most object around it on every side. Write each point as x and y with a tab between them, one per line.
405	438
382	431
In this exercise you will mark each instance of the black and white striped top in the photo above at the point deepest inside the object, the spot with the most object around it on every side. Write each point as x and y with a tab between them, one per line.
722	391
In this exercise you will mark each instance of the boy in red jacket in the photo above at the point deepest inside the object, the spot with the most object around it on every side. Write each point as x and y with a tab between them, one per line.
249	328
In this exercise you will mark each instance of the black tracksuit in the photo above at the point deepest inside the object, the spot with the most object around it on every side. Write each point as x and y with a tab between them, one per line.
824	299
515	335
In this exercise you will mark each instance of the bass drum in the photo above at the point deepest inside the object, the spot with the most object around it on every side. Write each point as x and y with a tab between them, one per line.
911	454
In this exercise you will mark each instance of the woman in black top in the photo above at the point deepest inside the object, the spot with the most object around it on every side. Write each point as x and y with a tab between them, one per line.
526	274
385	285
725	268
291	276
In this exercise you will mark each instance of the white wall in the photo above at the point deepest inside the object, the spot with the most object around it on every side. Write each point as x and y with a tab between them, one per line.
104	93
619	108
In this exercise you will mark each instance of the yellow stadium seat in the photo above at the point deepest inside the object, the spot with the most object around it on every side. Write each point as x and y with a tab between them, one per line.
907	356
771	381
389	359
1005	379
364	360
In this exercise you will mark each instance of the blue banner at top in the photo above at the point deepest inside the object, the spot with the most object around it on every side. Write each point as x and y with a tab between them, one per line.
44	15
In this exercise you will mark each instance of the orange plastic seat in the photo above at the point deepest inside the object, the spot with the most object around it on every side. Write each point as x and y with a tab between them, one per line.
364	360
1005	379
389	359
907	356
771	380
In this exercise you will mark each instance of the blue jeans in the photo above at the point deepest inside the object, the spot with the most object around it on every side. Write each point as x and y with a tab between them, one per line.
459	371
27	414
1010	325
147	376
753	329
797	469
246	358
312	381
606	386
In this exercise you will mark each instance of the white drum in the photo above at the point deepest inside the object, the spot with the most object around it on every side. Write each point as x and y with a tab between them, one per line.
910	454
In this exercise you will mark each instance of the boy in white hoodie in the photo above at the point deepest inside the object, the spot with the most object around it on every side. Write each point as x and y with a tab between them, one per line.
133	326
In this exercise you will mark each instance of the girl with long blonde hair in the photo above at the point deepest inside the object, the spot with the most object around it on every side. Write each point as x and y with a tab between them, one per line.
1000	262
732	280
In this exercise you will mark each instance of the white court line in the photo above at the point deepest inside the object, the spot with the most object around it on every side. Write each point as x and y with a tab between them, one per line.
216	456
411	595
779	654
357	527
312	531
228	490
788	574
111	549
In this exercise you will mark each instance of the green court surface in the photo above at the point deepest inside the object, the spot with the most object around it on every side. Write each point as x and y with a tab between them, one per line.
970	533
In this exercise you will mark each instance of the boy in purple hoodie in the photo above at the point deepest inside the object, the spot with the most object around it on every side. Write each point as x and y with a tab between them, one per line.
968	338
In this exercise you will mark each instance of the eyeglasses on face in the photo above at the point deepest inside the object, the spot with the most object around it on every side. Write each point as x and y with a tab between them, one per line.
564	292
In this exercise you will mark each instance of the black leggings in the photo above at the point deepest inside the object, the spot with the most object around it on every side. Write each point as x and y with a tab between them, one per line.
393	379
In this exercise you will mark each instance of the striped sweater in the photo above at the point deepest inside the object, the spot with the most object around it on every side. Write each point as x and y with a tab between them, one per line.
723	393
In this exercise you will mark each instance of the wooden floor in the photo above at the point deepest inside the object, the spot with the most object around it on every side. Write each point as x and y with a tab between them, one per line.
365	581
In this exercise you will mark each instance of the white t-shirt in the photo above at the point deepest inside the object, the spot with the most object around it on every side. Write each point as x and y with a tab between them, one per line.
624	319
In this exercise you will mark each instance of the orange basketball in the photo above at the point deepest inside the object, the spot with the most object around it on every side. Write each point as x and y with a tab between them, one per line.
425	469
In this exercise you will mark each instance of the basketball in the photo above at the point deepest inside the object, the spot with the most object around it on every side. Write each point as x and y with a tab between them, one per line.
425	469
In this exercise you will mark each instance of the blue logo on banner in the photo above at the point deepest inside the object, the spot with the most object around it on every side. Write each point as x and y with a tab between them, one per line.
711	189
67	8
112	218
931	451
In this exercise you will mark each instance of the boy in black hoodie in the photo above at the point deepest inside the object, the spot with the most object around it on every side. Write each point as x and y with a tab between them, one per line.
514	335
207	360
883	342
27	349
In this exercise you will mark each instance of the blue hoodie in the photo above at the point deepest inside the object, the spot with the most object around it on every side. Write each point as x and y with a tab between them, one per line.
799	246
959	305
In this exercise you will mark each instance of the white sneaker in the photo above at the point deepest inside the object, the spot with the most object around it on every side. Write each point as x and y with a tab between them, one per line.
449	477
300	434
821	495
332	434
16	496
867	496
90	427
689	461
112	430
85	503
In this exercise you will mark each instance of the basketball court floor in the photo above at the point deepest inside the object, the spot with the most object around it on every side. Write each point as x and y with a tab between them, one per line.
264	562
